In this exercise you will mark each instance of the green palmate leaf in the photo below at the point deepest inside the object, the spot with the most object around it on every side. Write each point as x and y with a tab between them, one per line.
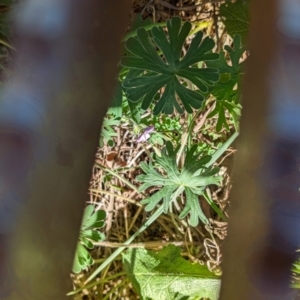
226	90
236	18
165	193
93	235
108	132
139	22
115	108
91	221
235	52
161	76
86	242
190	181
166	275
82	259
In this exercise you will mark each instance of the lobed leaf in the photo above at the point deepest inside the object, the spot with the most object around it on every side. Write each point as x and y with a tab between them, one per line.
174	182
108	132
225	91
91	221
82	259
236	18
161	75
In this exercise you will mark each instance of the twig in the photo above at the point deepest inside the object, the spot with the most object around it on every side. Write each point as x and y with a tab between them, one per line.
203	119
110	212
135	217
166	4
231	151
138	155
146	245
118	176
99	191
126	221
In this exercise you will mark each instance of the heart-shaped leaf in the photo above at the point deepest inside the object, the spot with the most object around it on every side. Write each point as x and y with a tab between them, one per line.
166	275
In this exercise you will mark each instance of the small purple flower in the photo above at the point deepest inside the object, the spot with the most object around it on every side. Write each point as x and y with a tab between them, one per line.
145	135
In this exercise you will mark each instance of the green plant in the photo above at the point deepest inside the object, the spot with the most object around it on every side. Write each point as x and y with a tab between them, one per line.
138	23
112	118
163	76
296	272
236	18
166	275
191	181
158	212
165	123
91	222
158	72
116	107
156	78
166	128
226	90
108	132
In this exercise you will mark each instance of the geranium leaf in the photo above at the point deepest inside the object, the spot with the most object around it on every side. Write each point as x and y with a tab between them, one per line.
195	210
236	18
108	132
175	182
116	105
162	74
226	89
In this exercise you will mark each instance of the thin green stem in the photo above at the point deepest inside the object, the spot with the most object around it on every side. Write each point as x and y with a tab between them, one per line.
190	122
187	134
214	206
146	27
222	149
